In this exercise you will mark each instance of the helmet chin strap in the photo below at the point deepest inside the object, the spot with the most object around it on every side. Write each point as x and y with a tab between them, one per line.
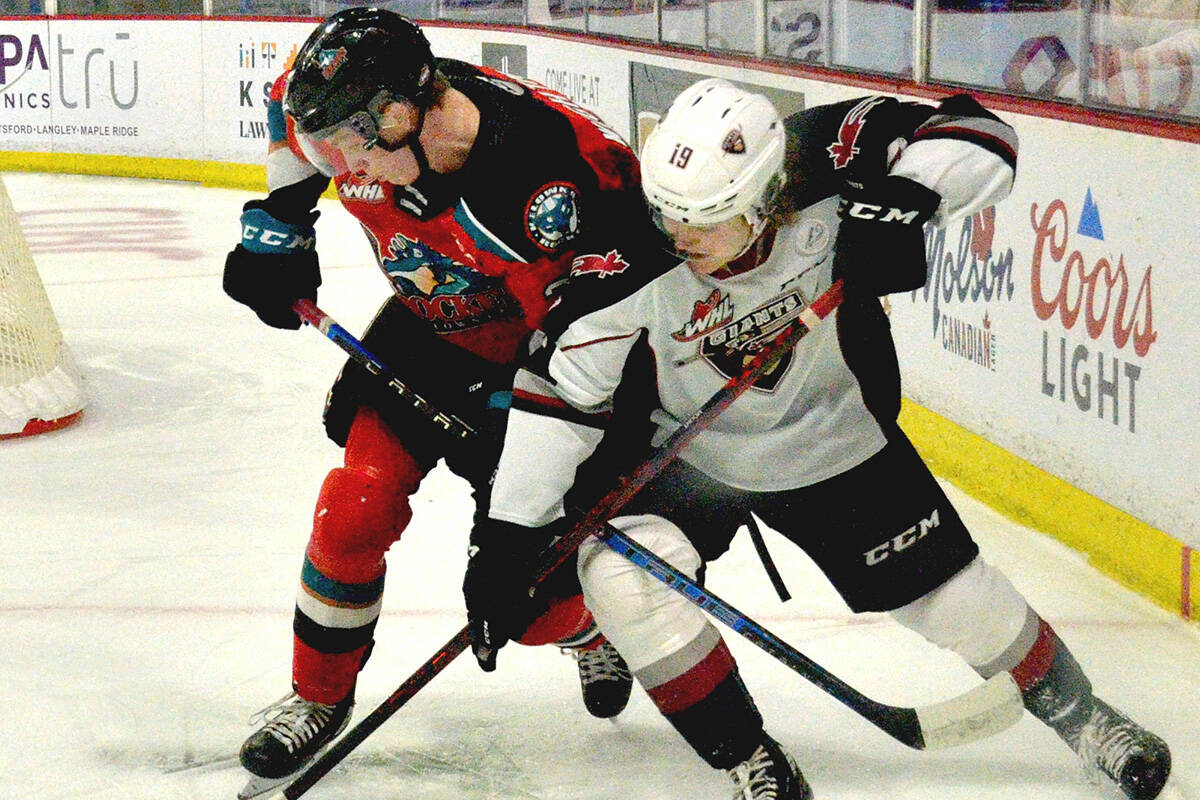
414	143
760	219
431	191
759	223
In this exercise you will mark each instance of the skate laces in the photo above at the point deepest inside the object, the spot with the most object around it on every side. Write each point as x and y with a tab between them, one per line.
1107	740
754	779
602	663
293	720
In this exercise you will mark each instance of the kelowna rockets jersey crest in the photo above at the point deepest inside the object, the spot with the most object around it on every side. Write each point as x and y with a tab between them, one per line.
450	295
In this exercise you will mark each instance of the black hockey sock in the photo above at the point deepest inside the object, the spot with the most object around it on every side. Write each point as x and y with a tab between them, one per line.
1053	685
724	727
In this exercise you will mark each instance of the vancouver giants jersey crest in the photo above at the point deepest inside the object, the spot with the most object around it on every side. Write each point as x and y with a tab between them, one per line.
477	254
810	417
705	331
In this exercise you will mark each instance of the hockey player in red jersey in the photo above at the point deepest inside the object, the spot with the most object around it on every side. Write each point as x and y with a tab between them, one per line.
766	214
476	191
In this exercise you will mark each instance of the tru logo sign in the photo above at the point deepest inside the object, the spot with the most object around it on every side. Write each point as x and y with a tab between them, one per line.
903	540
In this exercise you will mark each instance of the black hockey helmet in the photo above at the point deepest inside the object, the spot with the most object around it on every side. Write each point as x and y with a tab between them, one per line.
353	62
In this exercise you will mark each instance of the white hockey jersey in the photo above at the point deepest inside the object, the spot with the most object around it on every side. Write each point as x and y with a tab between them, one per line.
806	420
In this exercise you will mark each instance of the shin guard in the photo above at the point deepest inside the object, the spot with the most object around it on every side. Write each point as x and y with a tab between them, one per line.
362	509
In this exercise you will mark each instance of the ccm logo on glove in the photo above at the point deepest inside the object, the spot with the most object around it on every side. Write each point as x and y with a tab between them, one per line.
274	265
262	233
860	210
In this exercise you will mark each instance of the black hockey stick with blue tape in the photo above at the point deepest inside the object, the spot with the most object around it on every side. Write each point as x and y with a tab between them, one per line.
984	710
308	311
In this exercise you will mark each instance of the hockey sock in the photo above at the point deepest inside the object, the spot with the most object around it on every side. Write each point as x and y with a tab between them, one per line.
711	708
1053	685
362	509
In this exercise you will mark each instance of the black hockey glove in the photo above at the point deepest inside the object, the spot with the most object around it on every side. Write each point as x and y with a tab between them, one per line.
881	239
504	559
274	265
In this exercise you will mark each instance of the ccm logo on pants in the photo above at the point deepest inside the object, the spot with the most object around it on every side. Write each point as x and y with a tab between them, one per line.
902	540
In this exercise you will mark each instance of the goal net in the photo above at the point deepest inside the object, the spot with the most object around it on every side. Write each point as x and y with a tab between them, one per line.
40	387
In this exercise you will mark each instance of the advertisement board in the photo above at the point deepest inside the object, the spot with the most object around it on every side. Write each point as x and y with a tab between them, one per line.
99	86
1054	325
26	91
242	59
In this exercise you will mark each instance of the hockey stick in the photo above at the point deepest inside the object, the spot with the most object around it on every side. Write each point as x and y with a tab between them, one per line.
308	311
591	523
981	712
604	510
368	725
689	429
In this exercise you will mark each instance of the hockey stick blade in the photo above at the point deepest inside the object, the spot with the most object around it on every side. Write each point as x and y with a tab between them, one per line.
983	711
308	311
604	510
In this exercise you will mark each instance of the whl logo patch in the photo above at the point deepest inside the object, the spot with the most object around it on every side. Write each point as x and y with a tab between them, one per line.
731	347
363	192
707	315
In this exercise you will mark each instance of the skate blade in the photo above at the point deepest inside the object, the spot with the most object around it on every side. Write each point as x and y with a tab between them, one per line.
1175	791
258	786
1172	790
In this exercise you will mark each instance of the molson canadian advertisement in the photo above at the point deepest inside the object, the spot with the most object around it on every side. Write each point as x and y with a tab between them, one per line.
1058	326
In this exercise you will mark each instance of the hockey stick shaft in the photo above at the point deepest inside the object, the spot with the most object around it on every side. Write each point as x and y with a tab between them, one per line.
983	711
308	311
370	723
604	510
689	429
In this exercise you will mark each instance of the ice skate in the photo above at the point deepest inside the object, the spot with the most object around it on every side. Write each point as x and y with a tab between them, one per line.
294	734
1111	744
769	774
604	679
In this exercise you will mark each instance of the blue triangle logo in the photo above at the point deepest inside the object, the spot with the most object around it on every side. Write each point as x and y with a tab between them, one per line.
1089	220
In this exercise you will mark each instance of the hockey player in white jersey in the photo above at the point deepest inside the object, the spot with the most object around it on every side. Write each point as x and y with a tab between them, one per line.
766	214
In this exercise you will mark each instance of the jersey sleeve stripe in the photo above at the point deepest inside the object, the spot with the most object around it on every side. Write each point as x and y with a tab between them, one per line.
993	136
549	406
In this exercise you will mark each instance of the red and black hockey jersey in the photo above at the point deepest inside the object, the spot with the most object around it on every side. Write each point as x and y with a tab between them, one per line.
545	180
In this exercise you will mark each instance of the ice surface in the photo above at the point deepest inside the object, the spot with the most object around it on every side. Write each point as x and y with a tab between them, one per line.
151	553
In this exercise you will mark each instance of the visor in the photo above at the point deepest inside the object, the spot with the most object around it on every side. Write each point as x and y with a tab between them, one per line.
664	223
321	147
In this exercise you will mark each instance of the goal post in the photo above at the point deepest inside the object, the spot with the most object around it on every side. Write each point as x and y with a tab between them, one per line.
40	387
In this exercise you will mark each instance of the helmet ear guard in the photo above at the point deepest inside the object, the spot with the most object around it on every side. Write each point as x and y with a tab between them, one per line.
716	154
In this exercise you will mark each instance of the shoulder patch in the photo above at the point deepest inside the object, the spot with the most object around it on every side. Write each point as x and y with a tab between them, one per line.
601	266
843	151
552	216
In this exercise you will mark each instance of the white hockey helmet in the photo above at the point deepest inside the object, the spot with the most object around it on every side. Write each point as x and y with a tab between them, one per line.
717	153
